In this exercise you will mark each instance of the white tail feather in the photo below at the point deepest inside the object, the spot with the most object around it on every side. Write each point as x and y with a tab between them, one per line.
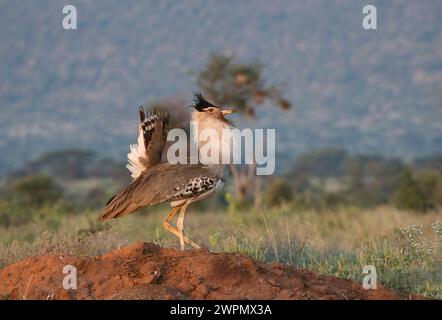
137	151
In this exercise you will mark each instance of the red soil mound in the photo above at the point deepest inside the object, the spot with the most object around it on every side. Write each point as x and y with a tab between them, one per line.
146	271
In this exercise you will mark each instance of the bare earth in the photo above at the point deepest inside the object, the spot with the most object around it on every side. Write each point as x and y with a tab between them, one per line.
146	271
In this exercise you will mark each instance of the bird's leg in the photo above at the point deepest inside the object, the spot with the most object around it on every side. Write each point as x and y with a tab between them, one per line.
166	223
168	227
180	226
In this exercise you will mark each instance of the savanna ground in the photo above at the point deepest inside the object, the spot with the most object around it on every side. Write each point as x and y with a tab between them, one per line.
405	247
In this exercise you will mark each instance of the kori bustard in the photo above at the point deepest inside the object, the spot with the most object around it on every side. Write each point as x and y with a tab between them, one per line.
156	182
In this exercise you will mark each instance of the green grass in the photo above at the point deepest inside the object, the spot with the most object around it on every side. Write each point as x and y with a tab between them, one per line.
405	247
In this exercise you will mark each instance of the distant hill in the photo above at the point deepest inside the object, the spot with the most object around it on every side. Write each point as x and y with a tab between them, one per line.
365	91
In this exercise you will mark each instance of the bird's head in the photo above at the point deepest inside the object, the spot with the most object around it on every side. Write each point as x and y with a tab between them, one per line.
210	129
204	110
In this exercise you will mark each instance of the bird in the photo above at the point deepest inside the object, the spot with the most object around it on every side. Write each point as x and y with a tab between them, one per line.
156	181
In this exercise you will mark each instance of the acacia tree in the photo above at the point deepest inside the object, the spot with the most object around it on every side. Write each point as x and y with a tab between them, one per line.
228	82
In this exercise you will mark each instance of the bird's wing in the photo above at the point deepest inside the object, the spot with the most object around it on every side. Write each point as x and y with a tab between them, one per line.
152	135
162	183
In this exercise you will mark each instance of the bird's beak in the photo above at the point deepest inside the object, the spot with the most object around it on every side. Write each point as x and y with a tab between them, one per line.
227	111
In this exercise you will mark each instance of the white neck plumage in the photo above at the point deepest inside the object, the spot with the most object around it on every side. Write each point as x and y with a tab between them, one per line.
212	138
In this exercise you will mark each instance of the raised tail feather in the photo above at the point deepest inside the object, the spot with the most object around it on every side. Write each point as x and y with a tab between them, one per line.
152	136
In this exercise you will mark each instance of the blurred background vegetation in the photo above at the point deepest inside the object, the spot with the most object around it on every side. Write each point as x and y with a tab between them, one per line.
321	180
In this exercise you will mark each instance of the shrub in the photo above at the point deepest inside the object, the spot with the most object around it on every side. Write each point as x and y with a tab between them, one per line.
277	192
36	191
13	214
416	193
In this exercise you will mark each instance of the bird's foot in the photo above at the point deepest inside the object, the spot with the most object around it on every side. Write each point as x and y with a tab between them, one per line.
193	244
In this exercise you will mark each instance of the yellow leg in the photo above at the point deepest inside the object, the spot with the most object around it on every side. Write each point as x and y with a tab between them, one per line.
170	215
168	227
166	222
180	224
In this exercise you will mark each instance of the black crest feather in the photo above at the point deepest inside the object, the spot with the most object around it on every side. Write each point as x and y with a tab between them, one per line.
200	103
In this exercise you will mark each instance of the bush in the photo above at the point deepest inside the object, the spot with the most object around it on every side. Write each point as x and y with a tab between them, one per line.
278	192
416	193
12	214
31	199
36	191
